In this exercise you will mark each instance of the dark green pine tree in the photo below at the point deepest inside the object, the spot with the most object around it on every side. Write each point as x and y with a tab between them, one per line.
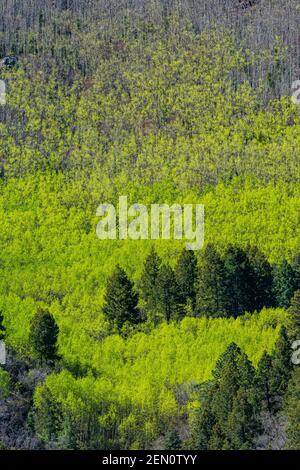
120	300
240	281
186	274
230	356
263	380
281	364
43	337
211	287
242	424
205	420
228	418
294	316
223	400
284	283
172	440
246	379
167	293
262	280
2	328
148	280
243	372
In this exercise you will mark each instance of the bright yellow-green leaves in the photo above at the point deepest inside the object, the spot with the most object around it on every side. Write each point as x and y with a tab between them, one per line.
140	380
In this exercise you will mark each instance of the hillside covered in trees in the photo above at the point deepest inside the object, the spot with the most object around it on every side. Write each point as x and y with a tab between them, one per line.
142	344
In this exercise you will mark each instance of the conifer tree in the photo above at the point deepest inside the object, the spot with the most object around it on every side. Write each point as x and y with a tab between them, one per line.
149	278
43	337
211	286
205	420
121	300
242	423
167	293
281	364
228	418
284	283
240	281
294	315
263	379
186	273
228	386
229	356
262	278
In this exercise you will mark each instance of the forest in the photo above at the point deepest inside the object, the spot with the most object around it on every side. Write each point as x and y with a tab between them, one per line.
142	344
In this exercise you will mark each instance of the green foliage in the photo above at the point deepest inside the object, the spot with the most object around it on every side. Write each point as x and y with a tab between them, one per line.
68	411
167	293
274	372
228	417
281	364
165	114
134	392
48	418
148	282
211	287
43	337
262	278
264	378
285	283
186	274
120	300
243	423
147	107
294	316
61	270
240	281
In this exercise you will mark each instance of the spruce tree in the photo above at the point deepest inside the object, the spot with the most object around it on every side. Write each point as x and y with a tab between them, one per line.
247	374
281	364
284	283
263	380
205	420
120	300
228	385
186	273
167	293
229	356
43	337
240	281
294	316
211	286
228	418
262	278
242	423
148	280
